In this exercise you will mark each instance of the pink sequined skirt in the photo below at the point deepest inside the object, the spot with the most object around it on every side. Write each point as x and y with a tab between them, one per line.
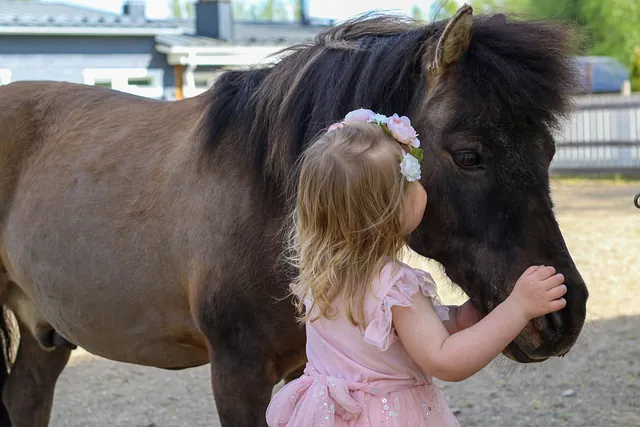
317	400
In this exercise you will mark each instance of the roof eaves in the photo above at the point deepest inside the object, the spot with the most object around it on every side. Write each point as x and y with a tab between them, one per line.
223	49
87	31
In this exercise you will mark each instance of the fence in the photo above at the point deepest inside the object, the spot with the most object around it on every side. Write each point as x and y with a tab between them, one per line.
602	135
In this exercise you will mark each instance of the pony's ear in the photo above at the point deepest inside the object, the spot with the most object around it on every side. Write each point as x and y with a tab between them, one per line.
453	42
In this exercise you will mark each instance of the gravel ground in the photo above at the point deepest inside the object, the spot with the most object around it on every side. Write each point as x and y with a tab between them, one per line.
596	384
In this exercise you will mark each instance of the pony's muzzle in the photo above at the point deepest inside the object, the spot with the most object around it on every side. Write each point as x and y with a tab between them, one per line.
555	340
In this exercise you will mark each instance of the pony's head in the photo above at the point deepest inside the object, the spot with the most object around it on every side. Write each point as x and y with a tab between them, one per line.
496	90
483	93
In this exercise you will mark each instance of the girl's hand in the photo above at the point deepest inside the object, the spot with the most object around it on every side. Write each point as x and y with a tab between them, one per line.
457	356
538	292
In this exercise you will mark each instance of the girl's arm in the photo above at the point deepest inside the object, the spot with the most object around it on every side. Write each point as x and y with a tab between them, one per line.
455	357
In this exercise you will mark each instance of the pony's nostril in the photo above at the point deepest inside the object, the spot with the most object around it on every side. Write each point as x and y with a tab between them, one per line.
554	321
553	331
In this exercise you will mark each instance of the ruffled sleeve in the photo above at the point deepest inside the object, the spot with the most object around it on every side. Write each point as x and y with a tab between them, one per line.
398	288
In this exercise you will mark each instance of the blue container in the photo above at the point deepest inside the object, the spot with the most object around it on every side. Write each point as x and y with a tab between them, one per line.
600	74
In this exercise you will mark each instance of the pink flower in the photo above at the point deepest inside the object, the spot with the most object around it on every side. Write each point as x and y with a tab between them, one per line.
335	126
402	131
361	115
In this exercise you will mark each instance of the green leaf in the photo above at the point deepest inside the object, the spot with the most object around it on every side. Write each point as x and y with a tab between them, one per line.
418	153
386	129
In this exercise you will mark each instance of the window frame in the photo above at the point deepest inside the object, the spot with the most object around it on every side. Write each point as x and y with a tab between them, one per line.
5	76
190	88
119	79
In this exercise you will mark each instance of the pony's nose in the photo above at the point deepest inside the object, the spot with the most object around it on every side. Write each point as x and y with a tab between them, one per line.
551	330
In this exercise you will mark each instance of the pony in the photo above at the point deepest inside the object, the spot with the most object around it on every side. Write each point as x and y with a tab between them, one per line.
150	232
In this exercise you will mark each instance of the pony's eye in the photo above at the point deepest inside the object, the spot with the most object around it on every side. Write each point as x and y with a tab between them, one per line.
467	159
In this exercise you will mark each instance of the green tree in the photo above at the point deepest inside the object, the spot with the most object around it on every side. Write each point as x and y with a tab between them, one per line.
611	28
500	6
416	13
239	9
443	9
635	70
274	10
176	8
190	9
266	10
182	10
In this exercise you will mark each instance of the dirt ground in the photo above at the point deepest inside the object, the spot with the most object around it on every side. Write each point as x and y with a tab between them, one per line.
596	384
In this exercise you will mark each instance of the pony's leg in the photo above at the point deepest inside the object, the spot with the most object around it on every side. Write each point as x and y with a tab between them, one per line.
7	339
50	339
27	312
253	342
241	392
242	388
294	375
28	393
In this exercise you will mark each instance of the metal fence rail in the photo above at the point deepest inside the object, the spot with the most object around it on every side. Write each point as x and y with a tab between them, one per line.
602	135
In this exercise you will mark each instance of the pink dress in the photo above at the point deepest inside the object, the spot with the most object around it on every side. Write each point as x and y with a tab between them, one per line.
358	377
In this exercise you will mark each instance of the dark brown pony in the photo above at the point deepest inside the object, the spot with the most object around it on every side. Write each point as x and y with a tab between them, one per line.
147	232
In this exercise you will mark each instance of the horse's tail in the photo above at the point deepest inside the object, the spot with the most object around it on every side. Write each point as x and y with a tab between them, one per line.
7	336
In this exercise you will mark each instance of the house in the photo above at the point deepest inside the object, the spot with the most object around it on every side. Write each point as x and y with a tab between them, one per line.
163	59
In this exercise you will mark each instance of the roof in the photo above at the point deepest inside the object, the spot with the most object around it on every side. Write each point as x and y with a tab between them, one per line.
252	43
247	34
33	17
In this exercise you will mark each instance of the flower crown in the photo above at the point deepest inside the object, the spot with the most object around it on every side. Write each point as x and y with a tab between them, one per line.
398	128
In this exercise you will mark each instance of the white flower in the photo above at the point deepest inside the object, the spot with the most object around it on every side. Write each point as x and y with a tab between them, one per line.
410	167
378	118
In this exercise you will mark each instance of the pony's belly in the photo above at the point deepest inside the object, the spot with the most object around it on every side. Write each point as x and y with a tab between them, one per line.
128	330
153	339
132	311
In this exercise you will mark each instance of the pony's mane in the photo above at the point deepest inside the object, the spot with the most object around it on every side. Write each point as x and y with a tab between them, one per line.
512	68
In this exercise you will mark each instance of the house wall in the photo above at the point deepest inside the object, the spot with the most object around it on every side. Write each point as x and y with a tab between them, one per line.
63	58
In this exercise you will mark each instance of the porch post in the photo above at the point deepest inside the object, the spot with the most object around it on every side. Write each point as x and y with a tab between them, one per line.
178	73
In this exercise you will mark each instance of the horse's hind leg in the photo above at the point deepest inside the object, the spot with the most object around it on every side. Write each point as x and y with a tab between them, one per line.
28	393
27	312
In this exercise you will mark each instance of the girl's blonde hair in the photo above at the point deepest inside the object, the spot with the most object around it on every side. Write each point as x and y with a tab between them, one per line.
346	219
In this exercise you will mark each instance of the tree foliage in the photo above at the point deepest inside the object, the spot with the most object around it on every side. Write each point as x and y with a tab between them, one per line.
611	28
443	9
266	10
297	10
416	13
635	70
182	9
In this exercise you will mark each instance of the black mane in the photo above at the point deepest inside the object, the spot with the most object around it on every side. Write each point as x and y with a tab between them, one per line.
513	68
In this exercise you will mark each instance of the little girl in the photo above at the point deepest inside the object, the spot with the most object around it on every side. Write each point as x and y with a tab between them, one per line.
376	330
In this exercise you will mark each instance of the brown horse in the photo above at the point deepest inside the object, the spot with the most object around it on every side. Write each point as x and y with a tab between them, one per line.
148	232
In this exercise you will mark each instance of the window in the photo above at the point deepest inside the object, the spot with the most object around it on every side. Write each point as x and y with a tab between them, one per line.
5	76
137	81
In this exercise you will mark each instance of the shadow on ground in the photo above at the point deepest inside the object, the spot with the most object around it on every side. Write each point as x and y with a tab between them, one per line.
597	384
